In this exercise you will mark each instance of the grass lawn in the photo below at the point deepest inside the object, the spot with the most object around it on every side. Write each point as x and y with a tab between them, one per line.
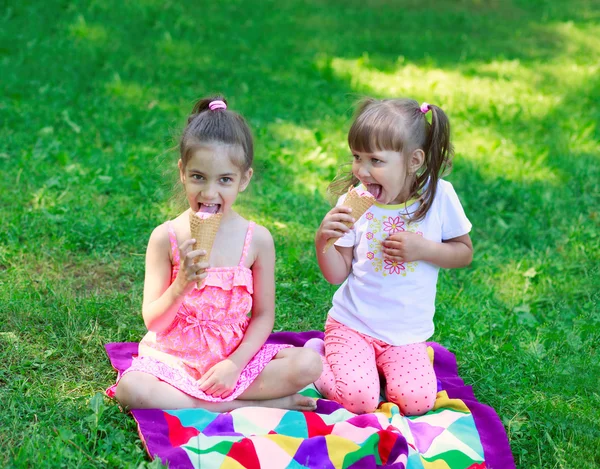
95	92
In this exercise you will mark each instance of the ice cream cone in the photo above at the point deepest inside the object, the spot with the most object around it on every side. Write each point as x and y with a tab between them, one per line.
359	201
204	227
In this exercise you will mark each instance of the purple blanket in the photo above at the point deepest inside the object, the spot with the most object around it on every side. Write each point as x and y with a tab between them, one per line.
459	432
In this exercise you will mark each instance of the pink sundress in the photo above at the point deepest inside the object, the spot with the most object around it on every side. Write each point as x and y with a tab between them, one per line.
208	327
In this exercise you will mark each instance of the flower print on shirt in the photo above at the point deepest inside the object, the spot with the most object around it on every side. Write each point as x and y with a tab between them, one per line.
373	233
378	230
393	225
394	267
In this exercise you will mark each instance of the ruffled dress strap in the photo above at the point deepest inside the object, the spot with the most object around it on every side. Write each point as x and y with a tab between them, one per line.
247	242
173	241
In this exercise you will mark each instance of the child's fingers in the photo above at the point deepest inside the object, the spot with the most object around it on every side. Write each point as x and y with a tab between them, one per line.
392	254
191	255
210	390
219	390
341	209
389	244
202	265
339	213
207	385
199	270
387	257
392	248
336	226
186	246
196	273
200	276
328	234
342	216
226	392
204	377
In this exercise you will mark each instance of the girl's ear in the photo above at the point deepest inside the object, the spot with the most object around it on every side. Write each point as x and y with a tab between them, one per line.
181	173
246	179
416	160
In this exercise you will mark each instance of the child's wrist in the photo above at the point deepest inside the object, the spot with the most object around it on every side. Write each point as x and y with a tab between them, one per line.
178	288
320	242
237	361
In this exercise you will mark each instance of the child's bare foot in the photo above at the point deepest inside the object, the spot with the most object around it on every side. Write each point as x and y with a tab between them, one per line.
318	345
293	402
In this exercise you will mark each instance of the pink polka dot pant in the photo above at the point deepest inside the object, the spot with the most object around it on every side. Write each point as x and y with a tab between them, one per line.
352	365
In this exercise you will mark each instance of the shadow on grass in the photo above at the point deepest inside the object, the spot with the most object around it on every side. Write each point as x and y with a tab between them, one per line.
129	61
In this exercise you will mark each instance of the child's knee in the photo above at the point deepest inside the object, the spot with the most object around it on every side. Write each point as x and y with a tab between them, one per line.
358	401
307	366
412	401
128	392
123	390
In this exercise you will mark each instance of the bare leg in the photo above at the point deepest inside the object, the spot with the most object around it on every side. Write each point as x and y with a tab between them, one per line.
138	390
291	370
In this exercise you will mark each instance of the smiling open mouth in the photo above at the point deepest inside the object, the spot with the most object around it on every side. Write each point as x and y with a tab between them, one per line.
209	208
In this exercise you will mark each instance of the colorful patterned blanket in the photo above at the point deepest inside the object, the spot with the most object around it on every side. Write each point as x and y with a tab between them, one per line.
459	433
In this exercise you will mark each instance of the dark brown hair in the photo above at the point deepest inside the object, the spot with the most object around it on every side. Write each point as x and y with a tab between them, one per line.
400	125
220	126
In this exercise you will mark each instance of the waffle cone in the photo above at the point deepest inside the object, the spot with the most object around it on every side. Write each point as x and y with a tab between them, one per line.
359	205
204	231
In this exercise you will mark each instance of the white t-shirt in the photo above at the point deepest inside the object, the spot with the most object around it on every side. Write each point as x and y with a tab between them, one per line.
395	302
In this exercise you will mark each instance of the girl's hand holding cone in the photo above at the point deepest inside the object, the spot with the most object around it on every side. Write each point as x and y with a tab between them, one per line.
335	224
357	202
190	271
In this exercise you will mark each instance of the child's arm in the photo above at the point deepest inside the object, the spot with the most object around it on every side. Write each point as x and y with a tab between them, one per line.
335	264
409	247
263	299
161	297
220	380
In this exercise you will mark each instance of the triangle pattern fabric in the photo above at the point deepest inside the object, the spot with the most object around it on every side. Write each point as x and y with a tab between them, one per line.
460	433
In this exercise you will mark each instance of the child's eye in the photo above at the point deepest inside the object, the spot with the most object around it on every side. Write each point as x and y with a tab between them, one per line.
376	161
197	177
226	180
356	157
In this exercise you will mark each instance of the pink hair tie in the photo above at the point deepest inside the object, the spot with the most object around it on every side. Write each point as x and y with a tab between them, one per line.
425	108
217	104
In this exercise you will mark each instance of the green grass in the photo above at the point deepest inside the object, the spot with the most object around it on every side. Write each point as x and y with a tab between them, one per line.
94	92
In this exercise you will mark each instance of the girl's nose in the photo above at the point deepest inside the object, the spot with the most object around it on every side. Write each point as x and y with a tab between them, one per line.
362	171
208	192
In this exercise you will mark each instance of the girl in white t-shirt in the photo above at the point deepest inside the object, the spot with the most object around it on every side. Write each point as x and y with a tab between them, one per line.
388	260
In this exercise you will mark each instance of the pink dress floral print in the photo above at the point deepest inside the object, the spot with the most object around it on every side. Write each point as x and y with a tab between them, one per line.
209	326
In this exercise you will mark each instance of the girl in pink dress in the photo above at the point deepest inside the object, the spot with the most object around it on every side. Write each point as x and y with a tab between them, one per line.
202	348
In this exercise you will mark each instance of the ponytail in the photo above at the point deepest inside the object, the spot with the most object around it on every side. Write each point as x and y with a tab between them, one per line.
203	105
438	159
